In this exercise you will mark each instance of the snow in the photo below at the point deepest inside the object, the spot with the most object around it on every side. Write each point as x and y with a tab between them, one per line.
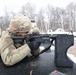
72	57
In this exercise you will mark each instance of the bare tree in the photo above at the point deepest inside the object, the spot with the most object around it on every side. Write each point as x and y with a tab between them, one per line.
40	20
71	9
49	15
29	10
53	18
5	20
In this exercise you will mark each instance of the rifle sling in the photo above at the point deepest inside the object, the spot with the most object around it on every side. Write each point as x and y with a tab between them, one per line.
47	48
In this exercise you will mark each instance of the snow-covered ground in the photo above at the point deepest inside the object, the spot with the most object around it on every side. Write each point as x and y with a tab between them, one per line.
72	57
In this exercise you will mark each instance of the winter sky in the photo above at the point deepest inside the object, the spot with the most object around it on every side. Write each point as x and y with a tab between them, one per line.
15	5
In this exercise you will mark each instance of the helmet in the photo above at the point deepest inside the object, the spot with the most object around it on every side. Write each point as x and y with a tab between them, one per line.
19	23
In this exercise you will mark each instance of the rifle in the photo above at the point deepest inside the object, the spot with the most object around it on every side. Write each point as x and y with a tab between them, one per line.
44	38
62	43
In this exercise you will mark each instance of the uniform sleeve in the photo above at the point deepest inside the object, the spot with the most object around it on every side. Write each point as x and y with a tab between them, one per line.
9	54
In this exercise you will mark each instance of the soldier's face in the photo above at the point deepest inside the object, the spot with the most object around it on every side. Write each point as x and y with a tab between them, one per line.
22	33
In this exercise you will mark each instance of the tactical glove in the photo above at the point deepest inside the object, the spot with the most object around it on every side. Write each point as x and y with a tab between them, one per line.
34	45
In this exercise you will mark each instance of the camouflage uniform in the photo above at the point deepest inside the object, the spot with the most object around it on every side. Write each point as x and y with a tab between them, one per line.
9	53
0	32
36	30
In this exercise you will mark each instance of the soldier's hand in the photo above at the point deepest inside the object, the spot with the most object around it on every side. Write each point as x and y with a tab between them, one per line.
34	45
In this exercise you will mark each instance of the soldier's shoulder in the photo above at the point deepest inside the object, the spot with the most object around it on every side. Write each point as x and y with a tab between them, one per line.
5	34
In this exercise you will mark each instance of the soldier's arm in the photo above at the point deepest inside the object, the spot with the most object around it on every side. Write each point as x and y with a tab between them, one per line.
9	54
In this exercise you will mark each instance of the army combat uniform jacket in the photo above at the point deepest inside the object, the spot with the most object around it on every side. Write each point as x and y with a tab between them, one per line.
9	54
